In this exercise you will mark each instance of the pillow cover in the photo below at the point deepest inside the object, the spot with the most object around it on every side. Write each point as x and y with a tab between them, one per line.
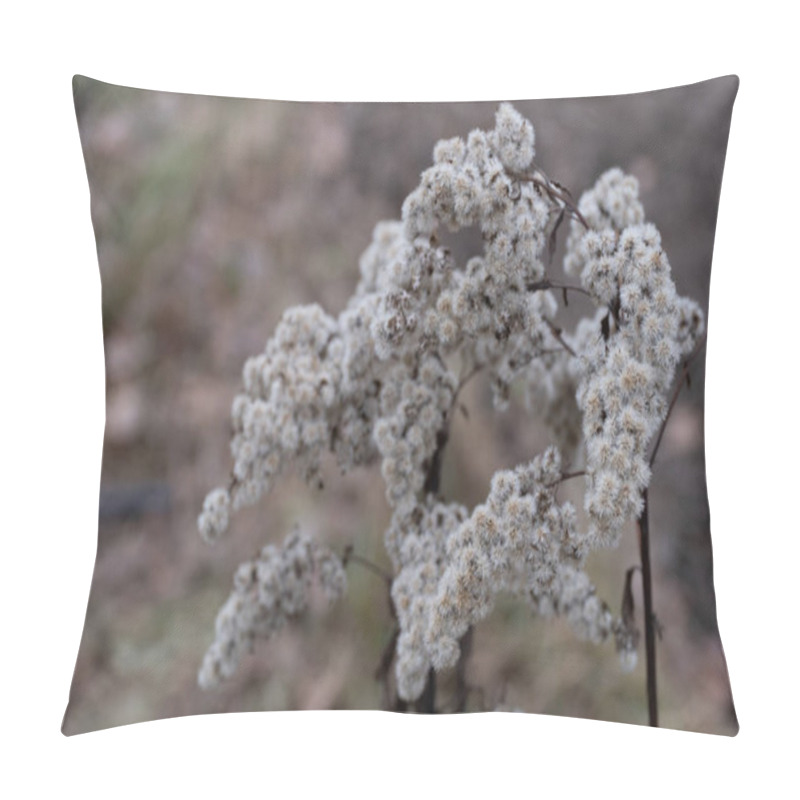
466	470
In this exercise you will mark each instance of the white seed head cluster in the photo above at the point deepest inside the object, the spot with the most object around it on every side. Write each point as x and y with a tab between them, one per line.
379	383
416	404
485	310
641	332
420	561
213	520
612	204
290	412
323	383
522	541
267	592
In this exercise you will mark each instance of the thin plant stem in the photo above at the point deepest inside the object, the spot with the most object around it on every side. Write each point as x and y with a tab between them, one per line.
684	377
649	616
433	477
387	656
557	333
644	550
350	556
554	190
542	285
566	476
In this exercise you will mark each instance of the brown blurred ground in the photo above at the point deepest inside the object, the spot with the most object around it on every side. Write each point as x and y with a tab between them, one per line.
212	216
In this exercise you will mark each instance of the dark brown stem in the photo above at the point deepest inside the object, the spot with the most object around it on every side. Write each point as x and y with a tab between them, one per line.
542	285
569	475
649	616
650	621
434	475
557	333
565	477
555	191
465	380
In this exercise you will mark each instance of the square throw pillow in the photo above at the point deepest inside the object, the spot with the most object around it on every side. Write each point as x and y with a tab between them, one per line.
404	407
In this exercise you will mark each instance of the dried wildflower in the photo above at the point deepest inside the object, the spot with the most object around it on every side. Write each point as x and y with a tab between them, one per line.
520	541
419	545
378	384
641	332
267	592
214	519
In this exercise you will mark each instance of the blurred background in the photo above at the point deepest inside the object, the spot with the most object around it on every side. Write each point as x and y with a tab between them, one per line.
212	216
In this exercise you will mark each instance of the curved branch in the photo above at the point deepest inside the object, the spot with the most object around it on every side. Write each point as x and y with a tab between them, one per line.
546	283
556	331
555	191
349	556
684	377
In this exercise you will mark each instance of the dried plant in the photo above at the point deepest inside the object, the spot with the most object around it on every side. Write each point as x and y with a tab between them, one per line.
381	382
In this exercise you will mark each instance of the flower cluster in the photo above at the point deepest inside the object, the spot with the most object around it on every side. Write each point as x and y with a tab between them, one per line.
267	592
323	383
519	541
641	332
290	405
486	311
406	437
420	561
379	383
